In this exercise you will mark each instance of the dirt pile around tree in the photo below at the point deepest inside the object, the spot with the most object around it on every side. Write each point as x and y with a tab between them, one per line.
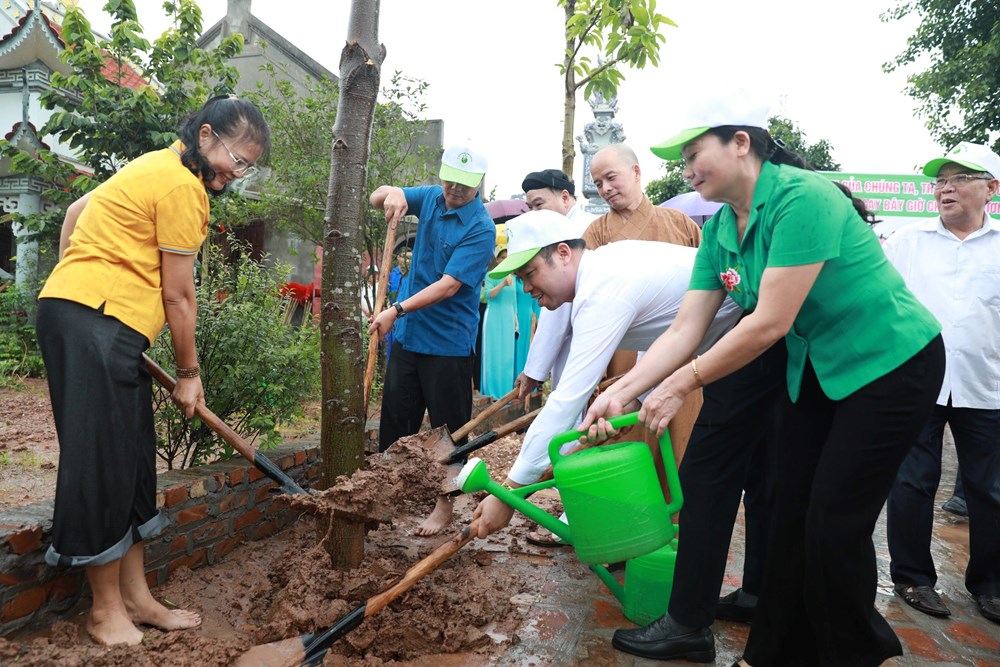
465	612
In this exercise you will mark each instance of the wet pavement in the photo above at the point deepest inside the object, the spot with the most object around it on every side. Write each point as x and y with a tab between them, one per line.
572	616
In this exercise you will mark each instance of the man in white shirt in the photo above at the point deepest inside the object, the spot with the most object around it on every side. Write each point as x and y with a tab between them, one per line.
622	296
952	264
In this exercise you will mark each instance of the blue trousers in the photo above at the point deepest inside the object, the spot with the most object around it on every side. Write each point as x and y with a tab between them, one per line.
911	502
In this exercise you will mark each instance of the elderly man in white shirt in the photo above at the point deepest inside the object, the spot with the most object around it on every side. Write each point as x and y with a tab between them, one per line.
952	264
622	296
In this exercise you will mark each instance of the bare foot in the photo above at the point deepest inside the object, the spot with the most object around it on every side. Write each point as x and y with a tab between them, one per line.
439	518
155	614
111	628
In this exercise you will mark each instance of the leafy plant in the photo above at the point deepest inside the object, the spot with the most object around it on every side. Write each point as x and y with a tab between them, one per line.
255	368
19	354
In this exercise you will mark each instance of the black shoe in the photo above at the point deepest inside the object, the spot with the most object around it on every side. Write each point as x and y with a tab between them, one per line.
730	608
923	598
989	607
661	640
956	506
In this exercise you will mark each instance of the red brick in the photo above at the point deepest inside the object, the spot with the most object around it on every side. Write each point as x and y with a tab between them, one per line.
17	577
970	636
300	457
25	540
236	476
921	644
195	560
254	474
178	544
233	501
248	519
66	587
191	514
223	547
24	604
152	578
285	462
175	495
263	493
210	532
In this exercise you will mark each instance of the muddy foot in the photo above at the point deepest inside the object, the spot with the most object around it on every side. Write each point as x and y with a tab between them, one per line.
111	629
160	617
439	518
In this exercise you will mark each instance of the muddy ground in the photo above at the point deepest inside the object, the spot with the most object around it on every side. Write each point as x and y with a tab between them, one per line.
465	612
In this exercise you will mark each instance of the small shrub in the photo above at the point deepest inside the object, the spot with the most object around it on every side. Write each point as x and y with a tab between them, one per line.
256	369
19	355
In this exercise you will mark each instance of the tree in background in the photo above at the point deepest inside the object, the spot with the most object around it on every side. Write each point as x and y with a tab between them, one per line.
959	91
621	32
818	155
107	122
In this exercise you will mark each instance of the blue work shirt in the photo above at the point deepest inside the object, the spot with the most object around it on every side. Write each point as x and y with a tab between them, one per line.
459	243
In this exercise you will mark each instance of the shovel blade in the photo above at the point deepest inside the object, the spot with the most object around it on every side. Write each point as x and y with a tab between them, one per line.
285	653
439	444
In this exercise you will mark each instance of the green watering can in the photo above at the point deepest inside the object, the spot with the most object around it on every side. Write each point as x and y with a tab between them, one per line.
649	580
611	495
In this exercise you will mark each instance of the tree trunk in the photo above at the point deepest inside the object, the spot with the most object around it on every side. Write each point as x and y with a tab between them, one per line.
343	415
569	99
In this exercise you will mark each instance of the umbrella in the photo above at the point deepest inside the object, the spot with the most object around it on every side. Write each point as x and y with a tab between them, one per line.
692	204
503	210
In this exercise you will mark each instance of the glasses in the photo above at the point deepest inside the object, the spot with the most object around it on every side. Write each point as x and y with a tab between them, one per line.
242	168
958	180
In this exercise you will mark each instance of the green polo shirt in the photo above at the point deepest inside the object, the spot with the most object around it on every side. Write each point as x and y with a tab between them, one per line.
859	320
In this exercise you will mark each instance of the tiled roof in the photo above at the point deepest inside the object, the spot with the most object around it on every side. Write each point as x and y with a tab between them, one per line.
125	76
17	128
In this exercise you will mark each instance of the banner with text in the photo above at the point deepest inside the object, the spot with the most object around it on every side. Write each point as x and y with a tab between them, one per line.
887	195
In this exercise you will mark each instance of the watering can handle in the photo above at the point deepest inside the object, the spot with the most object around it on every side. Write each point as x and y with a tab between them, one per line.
621	421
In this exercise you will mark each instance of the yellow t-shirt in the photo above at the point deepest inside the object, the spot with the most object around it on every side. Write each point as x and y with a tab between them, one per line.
154	204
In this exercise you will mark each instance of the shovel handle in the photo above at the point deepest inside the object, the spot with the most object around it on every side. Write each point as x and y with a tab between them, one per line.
491	436
234	439
493	408
383	282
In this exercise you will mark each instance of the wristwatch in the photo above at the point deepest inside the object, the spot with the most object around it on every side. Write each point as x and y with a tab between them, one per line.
399	309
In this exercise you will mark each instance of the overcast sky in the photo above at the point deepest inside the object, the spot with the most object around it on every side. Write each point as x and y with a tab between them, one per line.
493	80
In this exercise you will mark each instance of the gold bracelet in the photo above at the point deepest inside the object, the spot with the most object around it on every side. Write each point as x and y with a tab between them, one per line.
507	485
697	375
185	373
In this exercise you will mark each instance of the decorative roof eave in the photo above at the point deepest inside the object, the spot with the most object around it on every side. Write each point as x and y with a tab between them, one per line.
34	37
25	135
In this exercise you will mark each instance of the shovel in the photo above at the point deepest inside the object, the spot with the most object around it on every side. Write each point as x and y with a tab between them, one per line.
309	650
442	441
260	461
383	283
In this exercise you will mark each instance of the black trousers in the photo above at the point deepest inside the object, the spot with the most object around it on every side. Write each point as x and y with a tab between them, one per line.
837	461
417	382
911	502
726	458
102	403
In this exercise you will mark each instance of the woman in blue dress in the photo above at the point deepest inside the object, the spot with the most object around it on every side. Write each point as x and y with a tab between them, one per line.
499	327
527	314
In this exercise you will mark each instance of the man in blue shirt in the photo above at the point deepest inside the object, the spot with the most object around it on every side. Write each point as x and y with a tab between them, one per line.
431	362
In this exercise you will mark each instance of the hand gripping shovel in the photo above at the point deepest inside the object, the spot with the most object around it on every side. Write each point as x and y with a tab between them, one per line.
309	650
261	462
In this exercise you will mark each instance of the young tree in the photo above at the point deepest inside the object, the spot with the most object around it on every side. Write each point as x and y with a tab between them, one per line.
818	155
959	91
108	116
621	32
343	416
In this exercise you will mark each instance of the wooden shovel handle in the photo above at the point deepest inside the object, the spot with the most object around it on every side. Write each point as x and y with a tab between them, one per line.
493	408
383	282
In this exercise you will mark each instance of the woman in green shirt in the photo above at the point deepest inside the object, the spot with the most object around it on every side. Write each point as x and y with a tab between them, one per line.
865	360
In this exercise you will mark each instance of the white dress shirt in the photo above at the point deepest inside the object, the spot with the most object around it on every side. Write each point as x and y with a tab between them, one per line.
959	281
627	294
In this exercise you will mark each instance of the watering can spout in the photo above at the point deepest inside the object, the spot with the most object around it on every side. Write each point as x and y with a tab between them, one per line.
476	477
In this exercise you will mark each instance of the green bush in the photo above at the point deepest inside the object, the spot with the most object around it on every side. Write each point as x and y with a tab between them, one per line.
19	355
256	368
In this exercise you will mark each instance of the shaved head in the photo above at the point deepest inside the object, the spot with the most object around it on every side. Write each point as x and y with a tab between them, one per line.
615	171
621	153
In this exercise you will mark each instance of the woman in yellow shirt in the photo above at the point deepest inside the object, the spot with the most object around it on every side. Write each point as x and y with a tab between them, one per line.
127	254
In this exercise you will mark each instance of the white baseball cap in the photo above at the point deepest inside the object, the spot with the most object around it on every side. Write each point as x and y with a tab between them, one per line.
461	164
971	156
737	107
530	232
